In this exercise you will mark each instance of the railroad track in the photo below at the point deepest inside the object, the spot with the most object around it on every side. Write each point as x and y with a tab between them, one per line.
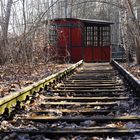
93	101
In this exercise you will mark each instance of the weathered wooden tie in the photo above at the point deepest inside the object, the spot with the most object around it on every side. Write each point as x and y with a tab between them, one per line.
64	103
87	99
81	111
91	131
81	119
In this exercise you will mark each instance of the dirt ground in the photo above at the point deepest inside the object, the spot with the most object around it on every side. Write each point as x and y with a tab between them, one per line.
15	77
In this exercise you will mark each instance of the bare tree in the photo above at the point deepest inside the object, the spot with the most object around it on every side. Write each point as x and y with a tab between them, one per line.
5	17
130	29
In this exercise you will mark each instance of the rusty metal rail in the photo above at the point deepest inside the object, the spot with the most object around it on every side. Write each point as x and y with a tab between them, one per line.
131	80
11	100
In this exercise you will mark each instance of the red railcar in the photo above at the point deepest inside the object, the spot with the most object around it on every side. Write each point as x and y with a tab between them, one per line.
81	39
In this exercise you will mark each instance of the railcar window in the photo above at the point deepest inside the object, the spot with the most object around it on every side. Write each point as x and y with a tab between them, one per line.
106	36
97	36
100	37
89	36
53	35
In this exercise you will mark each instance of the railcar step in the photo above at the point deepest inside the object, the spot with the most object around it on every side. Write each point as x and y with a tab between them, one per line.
80	119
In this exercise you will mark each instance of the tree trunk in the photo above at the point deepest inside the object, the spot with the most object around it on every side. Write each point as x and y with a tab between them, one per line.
5	25
138	50
135	28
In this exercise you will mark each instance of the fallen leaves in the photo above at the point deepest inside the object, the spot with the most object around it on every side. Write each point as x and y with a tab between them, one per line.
14	77
133	69
117	124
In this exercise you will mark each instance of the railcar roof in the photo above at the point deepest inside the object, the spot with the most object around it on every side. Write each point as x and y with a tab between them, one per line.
88	21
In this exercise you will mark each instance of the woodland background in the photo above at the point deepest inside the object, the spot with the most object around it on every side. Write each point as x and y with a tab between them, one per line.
24	34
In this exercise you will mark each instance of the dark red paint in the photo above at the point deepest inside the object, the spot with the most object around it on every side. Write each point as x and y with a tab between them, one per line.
70	40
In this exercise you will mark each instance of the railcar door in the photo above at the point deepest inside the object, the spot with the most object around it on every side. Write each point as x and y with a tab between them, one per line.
97	43
63	41
69	39
76	48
